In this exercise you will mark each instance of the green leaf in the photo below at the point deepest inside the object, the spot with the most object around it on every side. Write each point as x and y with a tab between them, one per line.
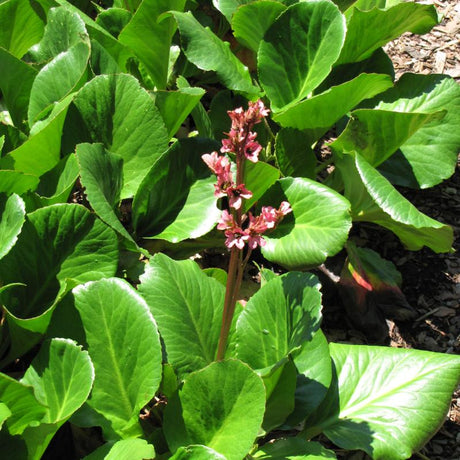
317	227
325	109
57	243
119	53
132	449
15	84
294	449
149	35
220	406
374	199
199	114
164	211
313	363
24	407
56	185
294	153
251	21
12	217
175	106
391	400
377	134
278	318
102	176
280	387
62	376
20	26
258	177
369	30
187	306
17	182
59	246
431	152
114	20
65	47
298	51
122	115
4	414
124	345
41	151
228	7
196	452
208	52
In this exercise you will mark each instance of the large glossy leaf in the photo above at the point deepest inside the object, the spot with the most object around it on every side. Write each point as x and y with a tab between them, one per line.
374	199
150	37
251	21
12	216
62	376
162	209
56	243
101	175
324	109
122	115
59	246
294	152
187	306
258	177
280	383
196	452
132	449
377	134
313	363
220	406
278	318
16	83
65	48
20	26
298	51
390	401
41	151
124	345
56	185
292	448
208	52
317	227
4	413
431	153
228	7
20	400
118	52
175	106
369	30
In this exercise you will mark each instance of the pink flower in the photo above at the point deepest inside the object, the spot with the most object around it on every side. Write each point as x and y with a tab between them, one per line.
236	237
269	215
257	224
226	221
256	240
285	208
236	194
252	150
256	112
217	164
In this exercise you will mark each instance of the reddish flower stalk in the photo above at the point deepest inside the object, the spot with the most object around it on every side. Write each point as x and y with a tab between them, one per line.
240	229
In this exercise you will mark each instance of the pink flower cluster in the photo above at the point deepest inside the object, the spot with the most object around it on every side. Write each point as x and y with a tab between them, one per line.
252	234
241	141
225	186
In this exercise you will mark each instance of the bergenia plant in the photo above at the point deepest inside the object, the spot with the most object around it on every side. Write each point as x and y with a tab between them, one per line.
128	145
241	229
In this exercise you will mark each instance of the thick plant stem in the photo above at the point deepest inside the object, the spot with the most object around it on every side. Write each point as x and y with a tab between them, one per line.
229	302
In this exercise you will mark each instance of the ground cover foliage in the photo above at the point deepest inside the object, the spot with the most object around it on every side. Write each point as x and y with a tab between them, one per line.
115	327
